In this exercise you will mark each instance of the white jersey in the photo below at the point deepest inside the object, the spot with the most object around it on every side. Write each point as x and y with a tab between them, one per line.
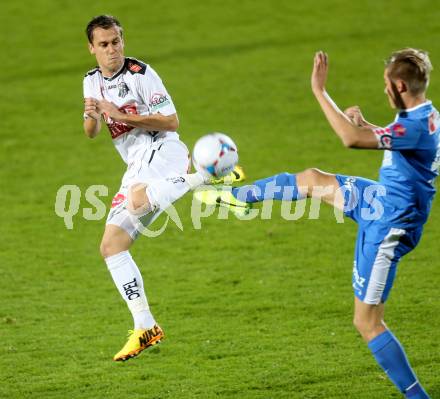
135	89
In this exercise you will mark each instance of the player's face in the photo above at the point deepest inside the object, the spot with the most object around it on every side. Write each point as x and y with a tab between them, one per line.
108	48
389	89
394	89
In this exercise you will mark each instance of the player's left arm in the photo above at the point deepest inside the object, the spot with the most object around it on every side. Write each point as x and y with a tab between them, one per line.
352	135
356	117
153	122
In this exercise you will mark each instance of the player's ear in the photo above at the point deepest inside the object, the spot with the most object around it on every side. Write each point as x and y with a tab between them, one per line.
401	85
91	48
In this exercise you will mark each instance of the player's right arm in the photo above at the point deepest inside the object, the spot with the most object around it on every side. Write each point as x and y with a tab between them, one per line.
351	134
92	117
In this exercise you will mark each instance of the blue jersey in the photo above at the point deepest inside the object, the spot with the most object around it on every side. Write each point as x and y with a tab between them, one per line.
410	165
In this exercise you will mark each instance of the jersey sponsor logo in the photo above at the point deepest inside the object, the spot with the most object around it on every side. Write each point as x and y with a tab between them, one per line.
158	100
134	67
119	128
384	137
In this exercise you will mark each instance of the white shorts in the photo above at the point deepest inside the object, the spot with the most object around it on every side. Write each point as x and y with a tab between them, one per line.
164	158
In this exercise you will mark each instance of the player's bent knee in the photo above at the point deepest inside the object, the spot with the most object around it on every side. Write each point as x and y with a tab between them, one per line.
106	249
313	175
310	178
110	247
363	327
114	241
358	323
367	328
137	199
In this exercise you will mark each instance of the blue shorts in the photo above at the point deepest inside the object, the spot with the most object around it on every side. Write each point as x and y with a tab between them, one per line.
379	245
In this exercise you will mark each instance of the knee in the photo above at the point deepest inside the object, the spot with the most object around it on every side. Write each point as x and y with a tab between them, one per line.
312	175
111	245
309	178
137	199
114	241
106	248
358	324
367	328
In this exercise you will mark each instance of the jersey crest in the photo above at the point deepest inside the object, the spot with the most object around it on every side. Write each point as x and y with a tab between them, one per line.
122	89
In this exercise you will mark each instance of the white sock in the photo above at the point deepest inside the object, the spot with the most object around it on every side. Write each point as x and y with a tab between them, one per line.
128	280
195	180
162	193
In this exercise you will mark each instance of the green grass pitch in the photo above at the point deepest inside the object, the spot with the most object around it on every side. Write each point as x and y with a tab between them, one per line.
251	309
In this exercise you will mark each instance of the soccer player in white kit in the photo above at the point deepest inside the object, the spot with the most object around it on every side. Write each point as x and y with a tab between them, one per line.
132	100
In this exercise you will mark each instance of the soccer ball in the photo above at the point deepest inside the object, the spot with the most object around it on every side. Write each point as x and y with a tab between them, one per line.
215	155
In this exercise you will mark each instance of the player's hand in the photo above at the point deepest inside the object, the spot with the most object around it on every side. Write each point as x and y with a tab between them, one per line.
109	109
320	70
91	108
355	115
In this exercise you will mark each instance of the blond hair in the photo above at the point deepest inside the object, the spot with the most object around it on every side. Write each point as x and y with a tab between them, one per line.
412	66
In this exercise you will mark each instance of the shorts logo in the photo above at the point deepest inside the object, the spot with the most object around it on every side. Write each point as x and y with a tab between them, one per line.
158	100
349	181
358	281
118	199
350	193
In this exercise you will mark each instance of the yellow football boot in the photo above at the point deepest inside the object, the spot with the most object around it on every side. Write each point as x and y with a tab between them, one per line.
222	196
237	175
139	340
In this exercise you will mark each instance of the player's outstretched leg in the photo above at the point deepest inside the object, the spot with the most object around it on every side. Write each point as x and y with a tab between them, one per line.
283	186
128	280
386	349
291	187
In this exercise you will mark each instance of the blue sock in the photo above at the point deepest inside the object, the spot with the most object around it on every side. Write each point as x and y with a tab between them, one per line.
390	355
279	187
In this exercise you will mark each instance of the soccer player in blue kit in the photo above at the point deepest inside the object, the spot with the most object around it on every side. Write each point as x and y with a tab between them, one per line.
390	213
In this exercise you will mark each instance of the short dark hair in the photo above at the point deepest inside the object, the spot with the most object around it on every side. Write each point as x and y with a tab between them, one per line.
104	22
412	66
